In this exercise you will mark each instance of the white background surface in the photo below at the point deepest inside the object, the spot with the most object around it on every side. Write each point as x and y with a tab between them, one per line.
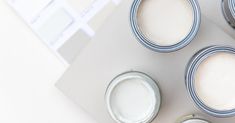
28	72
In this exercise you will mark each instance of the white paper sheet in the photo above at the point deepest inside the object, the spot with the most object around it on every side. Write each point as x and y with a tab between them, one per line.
56	21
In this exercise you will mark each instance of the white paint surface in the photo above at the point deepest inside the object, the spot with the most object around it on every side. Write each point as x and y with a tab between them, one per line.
132	100
165	22
194	121
215	81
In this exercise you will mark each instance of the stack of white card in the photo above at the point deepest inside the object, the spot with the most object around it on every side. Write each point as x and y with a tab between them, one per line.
65	26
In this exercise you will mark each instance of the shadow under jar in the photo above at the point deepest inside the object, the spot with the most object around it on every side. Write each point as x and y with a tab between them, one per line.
210	80
165	25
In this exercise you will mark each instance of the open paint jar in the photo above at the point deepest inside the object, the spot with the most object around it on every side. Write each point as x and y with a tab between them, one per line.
133	97
192	119
165	25
210	80
228	7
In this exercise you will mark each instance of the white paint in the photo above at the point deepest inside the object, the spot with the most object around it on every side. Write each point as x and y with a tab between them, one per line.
165	22
133	100
194	121
215	81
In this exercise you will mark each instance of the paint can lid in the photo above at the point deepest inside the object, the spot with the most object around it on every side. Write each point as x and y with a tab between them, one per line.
133	97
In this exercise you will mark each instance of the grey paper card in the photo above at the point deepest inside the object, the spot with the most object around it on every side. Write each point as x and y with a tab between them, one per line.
115	50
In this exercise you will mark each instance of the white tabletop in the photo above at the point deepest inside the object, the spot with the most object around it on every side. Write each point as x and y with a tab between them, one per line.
28	72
